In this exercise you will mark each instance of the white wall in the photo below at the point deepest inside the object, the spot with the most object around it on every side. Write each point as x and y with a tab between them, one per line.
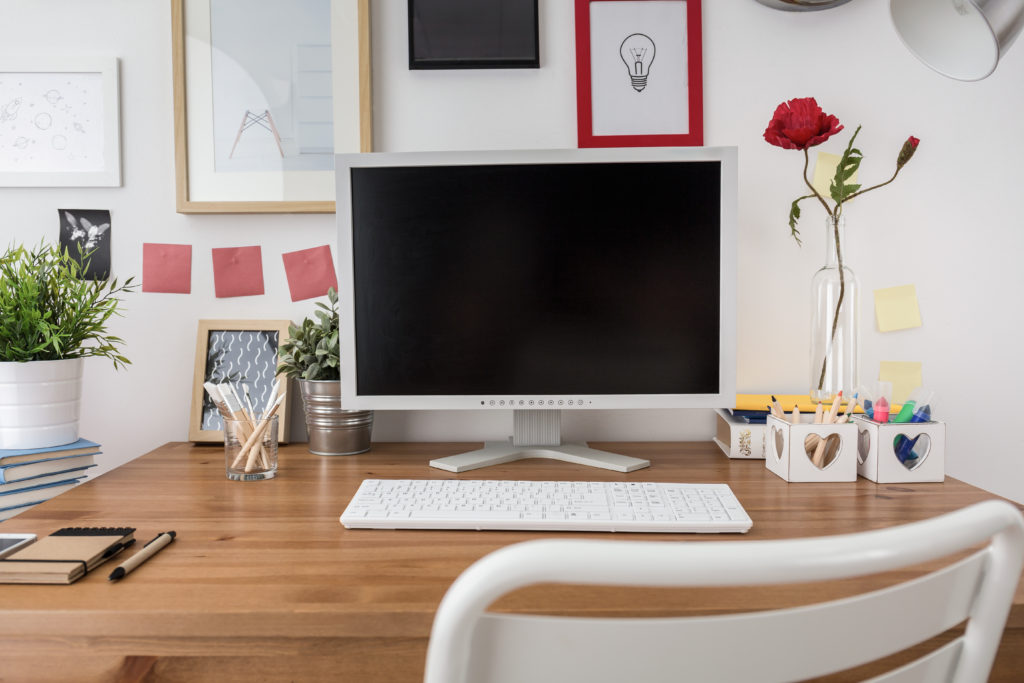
948	224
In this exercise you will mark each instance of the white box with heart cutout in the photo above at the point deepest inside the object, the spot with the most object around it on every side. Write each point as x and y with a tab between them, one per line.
812	452
900	452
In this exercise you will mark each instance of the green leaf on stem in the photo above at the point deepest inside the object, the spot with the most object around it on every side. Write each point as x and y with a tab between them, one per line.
847	167
794	216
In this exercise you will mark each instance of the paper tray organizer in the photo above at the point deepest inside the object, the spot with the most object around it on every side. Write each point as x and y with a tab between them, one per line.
900	452
791	449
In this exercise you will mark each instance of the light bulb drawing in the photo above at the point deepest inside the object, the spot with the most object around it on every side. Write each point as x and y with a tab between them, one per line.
637	52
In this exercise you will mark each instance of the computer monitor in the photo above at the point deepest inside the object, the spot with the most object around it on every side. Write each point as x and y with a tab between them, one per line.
537	282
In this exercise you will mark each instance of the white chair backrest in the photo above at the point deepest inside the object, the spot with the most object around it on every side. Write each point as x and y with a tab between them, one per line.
470	645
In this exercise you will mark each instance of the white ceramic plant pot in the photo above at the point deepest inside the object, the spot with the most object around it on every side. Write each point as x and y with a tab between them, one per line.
40	402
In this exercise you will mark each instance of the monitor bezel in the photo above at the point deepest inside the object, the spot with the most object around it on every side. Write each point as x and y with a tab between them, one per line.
726	396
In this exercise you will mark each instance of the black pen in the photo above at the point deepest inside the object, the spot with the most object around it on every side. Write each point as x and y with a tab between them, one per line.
148	551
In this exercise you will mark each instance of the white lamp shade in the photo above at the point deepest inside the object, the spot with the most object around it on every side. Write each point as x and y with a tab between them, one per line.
962	39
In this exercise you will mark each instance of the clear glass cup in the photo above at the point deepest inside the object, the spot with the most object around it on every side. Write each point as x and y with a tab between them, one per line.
249	456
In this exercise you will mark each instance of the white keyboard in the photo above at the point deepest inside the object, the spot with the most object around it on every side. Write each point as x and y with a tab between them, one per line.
544	506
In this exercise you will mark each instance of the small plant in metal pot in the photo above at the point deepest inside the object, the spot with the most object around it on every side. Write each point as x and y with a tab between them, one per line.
311	356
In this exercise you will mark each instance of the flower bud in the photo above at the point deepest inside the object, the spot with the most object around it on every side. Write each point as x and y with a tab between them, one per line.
909	147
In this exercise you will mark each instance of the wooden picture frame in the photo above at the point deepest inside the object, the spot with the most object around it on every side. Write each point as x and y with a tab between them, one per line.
61	121
209	179
463	41
216	340
652	102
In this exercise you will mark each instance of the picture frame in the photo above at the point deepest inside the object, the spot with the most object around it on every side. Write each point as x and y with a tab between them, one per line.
252	128
255	366
487	34
61	118
608	86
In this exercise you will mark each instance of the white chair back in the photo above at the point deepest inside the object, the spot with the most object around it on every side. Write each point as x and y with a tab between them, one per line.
470	645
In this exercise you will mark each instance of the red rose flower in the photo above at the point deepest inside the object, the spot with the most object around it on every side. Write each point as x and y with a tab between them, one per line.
907	151
799	124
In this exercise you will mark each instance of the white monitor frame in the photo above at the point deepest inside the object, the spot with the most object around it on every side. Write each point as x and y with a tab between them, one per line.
726	396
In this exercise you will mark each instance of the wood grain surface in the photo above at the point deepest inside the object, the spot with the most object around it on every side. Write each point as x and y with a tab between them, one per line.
263	582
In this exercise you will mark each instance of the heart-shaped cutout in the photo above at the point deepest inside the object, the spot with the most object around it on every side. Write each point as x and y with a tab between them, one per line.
822	452
863	445
778	441
912	452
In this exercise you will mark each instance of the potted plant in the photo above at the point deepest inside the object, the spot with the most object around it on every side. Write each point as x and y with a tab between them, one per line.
310	355
50	319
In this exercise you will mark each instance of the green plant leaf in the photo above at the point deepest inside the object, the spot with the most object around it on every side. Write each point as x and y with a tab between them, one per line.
311	351
848	165
794	216
47	312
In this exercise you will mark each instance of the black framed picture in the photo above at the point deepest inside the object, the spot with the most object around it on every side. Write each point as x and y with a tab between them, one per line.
473	34
85	234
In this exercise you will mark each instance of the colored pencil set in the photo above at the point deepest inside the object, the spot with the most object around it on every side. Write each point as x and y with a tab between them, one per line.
815	445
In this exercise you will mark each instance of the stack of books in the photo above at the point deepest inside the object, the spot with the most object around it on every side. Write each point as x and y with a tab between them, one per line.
29	476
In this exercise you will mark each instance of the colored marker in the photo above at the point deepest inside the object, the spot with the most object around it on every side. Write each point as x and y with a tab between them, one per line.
904	446
905	452
922	415
868	409
906	412
881	413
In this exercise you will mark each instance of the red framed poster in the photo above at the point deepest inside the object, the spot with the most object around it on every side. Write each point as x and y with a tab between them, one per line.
639	74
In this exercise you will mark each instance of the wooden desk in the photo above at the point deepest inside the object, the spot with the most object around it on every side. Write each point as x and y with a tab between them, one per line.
264	583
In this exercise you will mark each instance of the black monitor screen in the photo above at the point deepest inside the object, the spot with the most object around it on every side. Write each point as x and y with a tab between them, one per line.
533	279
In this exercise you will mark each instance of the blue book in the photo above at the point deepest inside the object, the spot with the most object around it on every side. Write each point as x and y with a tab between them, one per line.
36	468
13	455
758	417
46	479
7	513
36	494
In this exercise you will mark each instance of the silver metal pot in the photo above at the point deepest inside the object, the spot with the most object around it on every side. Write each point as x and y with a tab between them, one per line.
332	429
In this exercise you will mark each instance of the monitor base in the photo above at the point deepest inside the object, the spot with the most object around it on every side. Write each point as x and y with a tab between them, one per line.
500	452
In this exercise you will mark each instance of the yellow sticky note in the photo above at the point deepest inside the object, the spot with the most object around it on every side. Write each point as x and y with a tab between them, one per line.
904	375
825	171
896	308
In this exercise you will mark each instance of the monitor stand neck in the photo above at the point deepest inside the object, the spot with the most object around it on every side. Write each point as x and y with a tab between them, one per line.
537	434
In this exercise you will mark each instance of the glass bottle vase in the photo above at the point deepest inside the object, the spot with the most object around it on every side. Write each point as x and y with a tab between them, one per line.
835	320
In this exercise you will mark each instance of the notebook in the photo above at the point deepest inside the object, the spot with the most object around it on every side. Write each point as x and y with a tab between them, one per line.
37	468
65	555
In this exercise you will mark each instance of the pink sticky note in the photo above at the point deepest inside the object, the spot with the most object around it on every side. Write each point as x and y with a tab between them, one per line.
237	271
167	268
310	272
